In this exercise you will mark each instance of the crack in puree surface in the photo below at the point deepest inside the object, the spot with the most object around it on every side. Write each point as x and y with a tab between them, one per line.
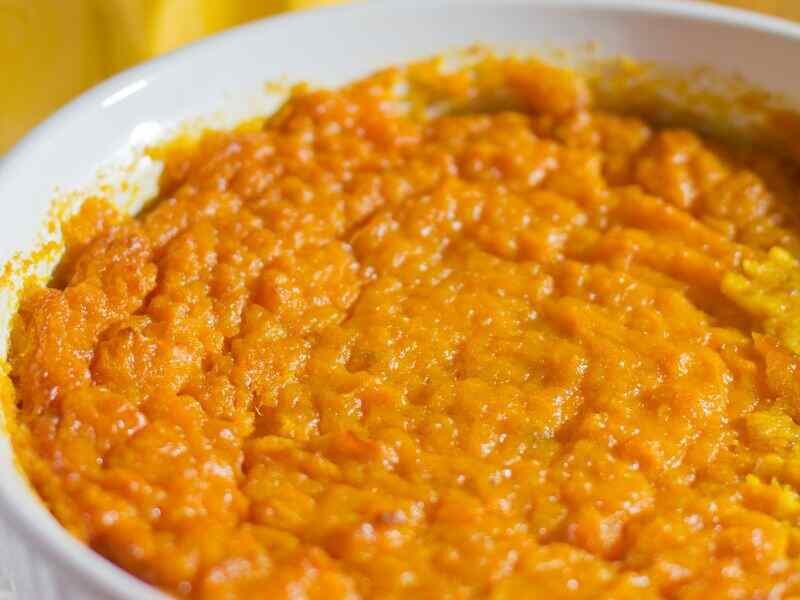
358	353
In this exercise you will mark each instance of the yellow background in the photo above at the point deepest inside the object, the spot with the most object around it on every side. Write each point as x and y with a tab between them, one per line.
50	50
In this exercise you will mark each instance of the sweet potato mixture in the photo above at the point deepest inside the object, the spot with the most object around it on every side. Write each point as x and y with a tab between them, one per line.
360	351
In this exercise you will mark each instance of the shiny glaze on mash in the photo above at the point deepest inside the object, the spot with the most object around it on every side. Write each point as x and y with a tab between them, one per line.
356	353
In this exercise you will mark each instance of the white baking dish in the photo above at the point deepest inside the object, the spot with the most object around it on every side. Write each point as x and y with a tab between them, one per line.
222	80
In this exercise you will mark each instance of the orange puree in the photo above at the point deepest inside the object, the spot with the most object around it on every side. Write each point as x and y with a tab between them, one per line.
361	353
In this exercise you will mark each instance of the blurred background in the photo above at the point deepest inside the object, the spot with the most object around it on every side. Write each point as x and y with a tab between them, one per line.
51	50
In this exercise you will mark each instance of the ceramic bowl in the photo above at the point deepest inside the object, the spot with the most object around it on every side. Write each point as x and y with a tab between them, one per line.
96	141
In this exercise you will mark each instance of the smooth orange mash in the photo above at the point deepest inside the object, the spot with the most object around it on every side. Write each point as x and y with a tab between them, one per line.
359	353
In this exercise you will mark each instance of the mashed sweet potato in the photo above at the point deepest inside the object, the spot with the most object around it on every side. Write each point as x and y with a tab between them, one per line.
361	353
